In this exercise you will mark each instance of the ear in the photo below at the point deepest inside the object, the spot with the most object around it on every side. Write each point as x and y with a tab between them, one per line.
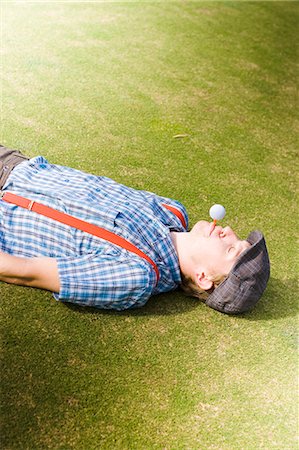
203	281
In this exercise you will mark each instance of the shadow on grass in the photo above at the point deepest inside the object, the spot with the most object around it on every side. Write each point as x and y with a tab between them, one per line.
172	303
279	301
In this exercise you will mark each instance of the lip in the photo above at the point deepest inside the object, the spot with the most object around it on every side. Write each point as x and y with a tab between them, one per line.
212	227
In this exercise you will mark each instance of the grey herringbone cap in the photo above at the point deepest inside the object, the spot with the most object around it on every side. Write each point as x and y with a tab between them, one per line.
247	280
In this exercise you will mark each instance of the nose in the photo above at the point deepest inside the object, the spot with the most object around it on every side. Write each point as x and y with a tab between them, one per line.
218	230
226	231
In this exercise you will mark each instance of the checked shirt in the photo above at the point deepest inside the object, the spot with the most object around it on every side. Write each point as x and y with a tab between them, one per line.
92	271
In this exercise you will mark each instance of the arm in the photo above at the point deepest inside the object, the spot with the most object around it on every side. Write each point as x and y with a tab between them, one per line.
40	272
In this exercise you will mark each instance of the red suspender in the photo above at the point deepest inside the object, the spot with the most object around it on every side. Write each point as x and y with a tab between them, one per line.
72	221
177	212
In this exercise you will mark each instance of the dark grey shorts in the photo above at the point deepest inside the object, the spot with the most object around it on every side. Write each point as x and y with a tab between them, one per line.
9	159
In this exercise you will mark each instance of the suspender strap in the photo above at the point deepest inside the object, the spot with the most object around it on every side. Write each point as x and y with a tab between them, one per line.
177	212
66	219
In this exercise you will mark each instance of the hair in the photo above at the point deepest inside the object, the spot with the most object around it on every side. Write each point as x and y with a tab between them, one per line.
192	289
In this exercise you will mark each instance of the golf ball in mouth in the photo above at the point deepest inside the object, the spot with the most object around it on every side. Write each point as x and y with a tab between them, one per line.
217	212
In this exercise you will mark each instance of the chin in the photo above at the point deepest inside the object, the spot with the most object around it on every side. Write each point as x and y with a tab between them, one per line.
200	226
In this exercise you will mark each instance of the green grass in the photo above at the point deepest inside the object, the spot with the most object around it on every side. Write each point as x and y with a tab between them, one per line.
105	87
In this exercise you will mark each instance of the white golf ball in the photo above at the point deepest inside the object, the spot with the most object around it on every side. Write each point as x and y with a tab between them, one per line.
217	212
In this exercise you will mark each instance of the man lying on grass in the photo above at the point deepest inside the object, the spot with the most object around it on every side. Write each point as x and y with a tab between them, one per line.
142	247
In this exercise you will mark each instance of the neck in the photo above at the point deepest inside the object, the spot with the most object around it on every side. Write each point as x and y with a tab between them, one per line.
182	245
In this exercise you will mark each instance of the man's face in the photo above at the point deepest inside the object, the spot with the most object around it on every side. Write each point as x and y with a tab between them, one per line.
216	248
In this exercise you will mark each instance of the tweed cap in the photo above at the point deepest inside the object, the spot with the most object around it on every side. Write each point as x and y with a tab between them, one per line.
247	280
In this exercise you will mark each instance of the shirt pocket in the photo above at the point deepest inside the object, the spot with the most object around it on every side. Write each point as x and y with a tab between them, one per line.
104	218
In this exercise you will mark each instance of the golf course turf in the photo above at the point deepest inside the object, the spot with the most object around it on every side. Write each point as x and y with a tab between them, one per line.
197	101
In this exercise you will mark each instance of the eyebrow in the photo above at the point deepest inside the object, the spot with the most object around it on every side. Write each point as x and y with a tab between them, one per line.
239	253
244	248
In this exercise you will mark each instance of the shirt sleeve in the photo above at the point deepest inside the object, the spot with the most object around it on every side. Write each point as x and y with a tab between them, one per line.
105	281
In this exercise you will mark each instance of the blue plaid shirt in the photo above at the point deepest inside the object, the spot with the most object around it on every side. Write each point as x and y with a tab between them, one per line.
93	271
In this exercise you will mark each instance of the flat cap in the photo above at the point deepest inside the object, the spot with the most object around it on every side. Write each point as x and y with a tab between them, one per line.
247	280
